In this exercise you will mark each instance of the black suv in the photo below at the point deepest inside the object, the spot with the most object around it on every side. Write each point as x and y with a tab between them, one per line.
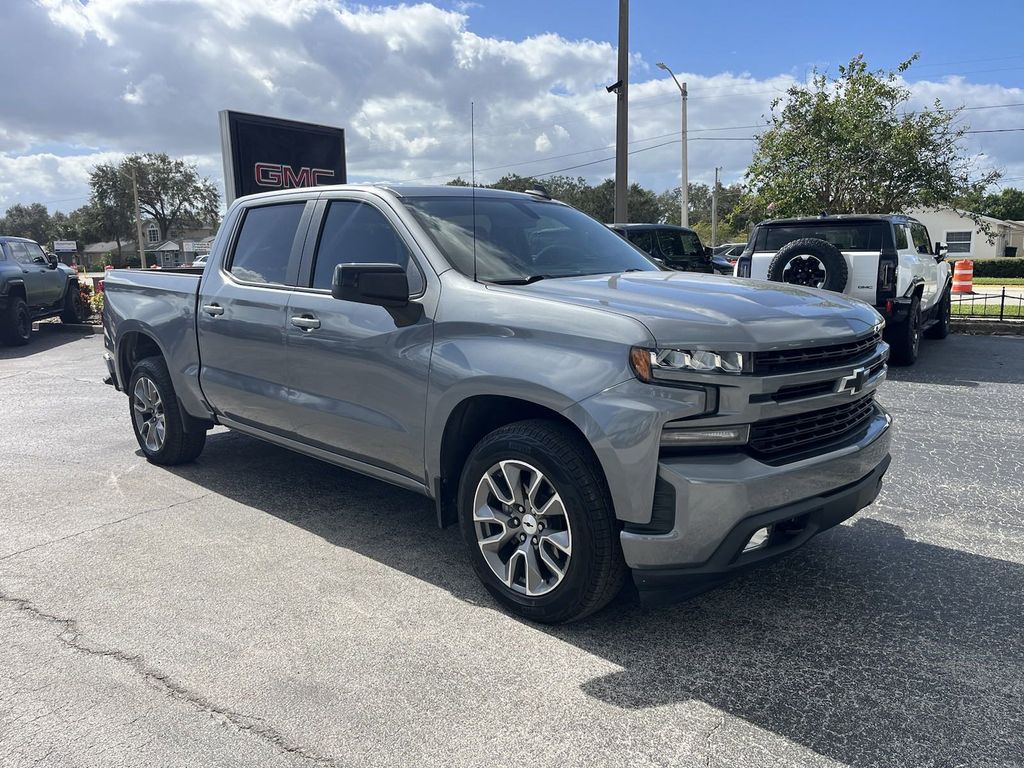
34	286
675	247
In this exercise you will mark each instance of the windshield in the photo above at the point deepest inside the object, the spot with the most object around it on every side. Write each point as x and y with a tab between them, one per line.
674	243
518	239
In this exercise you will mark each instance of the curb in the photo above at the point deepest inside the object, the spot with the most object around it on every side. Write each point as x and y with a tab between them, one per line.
988	327
84	328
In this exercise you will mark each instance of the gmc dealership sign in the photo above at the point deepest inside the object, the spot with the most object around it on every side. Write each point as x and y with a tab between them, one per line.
266	153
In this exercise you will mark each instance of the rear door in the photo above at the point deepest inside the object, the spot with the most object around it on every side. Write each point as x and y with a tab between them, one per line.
242	313
359	371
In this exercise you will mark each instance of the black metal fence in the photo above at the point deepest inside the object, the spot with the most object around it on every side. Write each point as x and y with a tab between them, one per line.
990	306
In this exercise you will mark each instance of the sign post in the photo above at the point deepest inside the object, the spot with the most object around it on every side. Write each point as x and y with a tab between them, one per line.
266	153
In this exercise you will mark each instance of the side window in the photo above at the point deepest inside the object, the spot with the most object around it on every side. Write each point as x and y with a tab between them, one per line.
901	236
921	241
357	233
264	245
642	239
20	253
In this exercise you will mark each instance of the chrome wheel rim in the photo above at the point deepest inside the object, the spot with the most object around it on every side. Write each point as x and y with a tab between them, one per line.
522	528
805	270
148	410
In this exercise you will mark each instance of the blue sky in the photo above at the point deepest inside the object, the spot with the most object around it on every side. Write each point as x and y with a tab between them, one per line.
766	38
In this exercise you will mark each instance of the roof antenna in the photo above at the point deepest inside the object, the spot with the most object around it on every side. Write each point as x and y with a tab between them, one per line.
472	164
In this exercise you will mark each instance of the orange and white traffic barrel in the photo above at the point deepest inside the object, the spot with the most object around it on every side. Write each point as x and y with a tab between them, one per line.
963	276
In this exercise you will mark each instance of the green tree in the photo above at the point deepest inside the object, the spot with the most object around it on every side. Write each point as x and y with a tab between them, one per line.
111	207
1007	204
171	192
31	221
848	145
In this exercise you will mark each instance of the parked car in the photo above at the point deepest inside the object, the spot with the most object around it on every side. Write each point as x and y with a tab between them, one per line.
577	411
199	260
886	260
730	251
34	286
676	247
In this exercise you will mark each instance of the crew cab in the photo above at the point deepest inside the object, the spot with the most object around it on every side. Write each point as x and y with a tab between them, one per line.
34	286
581	414
886	260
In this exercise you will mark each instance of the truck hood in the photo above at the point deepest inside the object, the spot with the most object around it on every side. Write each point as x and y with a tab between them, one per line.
683	309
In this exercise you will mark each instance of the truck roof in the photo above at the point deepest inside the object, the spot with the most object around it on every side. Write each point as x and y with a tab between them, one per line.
411	190
845	218
13	239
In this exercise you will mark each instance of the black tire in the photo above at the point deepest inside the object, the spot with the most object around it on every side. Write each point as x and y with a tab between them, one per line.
16	323
905	337
940	328
596	571
812	262
178	445
74	308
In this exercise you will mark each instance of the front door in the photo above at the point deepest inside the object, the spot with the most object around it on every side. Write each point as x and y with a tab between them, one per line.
359	371
242	314
44	285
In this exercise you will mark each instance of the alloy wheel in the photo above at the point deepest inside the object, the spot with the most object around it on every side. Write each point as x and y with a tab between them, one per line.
148	410
522	528
805	270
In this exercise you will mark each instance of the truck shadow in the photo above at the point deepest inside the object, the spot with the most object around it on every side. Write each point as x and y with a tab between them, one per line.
866	647
42	340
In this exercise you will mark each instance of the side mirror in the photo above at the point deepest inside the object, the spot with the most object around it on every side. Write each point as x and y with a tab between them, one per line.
709	251
385	285
52	260
940	251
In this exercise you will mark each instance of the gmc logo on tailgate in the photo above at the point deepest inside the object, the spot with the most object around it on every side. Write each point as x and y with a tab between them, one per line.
278	176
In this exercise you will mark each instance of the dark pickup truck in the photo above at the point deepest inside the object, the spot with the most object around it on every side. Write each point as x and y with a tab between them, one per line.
34	286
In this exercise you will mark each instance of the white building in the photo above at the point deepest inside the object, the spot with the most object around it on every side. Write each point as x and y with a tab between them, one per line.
964	239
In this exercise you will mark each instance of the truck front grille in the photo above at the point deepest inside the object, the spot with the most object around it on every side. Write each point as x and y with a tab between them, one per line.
809	358
789	435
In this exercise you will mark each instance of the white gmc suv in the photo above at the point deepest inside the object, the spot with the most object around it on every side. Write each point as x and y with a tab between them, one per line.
885	260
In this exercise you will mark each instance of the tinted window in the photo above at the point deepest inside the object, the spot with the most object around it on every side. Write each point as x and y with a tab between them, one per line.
846	237
642	239
675	243
920	234
900	233
264	245
357	233
517	238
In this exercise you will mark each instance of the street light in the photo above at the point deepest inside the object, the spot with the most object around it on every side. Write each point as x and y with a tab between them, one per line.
684	203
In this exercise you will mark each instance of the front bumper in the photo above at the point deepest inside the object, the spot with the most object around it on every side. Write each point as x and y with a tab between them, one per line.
720	499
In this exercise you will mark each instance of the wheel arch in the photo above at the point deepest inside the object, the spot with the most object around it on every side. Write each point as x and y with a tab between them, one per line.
17	288
467	423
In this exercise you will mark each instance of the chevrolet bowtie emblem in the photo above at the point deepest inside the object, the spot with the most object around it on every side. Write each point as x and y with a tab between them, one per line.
854	383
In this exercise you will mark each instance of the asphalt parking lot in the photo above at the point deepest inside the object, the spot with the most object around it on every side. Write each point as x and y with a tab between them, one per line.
259	608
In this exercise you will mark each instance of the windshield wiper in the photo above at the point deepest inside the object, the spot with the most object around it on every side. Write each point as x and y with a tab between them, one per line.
521	280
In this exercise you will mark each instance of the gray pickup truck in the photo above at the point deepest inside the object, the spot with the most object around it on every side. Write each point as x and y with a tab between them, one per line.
34	286
581	414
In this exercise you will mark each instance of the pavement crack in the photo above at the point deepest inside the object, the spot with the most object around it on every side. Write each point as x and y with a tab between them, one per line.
104	525
71	637
708	749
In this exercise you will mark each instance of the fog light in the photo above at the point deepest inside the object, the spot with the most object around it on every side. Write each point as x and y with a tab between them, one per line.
673	436
758	539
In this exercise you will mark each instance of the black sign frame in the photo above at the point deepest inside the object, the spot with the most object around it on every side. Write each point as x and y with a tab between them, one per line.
264	153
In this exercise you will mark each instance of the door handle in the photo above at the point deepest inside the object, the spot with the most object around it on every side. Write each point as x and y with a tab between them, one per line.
306	322
214	310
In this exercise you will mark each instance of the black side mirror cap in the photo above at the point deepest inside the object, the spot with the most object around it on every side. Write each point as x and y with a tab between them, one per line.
385	285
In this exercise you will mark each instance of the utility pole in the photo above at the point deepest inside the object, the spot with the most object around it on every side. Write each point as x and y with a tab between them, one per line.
684	187
622	118
138	220
714	210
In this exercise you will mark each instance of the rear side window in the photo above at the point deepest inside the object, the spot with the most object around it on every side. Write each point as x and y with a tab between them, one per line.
20	252
264	245
846	237
901	236
642	239
357	233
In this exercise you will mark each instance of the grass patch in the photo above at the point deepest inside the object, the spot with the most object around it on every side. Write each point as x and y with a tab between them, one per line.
999	281
1013	309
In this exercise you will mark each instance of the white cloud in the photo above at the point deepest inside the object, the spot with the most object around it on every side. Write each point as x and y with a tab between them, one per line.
141	75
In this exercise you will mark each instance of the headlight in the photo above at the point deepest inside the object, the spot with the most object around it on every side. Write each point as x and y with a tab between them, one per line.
654	364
